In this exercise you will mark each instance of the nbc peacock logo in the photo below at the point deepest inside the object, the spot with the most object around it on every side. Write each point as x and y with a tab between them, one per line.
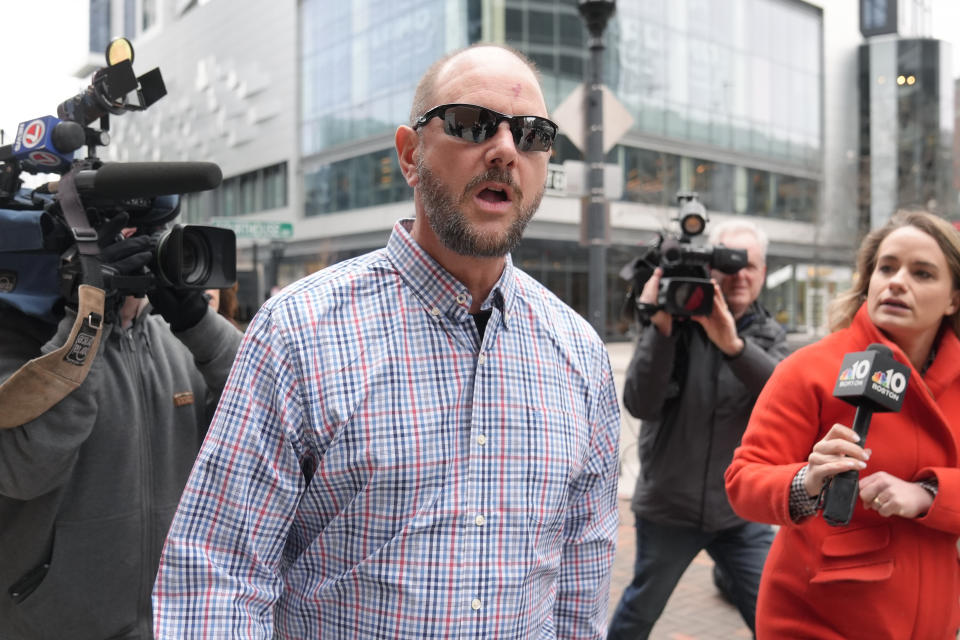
848	374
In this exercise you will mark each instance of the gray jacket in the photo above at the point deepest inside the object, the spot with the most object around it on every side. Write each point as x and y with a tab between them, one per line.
694	403
88	489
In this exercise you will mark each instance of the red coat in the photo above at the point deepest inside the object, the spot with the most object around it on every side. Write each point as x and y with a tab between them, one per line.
877	577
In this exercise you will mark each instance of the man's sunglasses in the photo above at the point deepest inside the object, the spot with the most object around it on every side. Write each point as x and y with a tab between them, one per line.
477	124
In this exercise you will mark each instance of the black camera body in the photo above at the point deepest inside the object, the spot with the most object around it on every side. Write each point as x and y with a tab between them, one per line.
68	217
685	286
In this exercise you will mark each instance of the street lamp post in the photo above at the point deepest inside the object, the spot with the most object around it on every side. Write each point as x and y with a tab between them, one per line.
595	14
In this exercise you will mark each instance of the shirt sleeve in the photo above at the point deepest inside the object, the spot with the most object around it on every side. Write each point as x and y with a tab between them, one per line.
802	505
219	574
591	523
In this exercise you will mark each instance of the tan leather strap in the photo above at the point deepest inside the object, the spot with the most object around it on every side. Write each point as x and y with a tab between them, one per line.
43	382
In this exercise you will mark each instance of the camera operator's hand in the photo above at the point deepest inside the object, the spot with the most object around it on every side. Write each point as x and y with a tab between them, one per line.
182	308
720	325
120	256
651	289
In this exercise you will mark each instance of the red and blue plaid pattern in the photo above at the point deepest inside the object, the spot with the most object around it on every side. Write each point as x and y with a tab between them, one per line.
375	470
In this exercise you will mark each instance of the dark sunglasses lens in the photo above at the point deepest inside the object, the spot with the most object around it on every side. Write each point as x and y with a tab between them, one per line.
469	123
533	134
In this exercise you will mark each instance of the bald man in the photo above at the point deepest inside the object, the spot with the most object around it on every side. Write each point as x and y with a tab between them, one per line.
420	442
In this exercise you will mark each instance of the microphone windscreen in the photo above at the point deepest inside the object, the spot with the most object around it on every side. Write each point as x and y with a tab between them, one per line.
67	136
147	179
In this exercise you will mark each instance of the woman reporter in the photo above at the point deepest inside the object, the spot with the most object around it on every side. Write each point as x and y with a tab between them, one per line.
893	571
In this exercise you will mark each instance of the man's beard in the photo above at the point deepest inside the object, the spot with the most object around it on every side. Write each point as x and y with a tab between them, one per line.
445	215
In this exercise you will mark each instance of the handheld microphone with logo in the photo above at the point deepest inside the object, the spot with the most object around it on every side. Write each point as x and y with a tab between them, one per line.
872	381
45	145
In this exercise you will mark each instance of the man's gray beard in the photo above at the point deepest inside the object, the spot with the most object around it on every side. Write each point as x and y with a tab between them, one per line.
453	229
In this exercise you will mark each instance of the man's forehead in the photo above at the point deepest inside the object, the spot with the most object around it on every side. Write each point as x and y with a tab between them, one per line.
493	68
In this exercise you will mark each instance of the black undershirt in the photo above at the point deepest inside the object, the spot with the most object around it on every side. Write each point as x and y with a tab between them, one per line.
480	318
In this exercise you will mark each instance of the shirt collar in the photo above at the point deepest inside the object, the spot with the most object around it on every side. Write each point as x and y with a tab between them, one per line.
437	289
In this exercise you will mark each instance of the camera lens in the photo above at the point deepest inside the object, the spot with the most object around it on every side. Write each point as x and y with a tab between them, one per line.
195	260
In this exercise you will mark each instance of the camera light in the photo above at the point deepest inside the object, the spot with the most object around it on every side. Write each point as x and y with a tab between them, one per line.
118	50
692	224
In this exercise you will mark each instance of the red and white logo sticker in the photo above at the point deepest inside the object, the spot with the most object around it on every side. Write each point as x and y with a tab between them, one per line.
33	134
44	159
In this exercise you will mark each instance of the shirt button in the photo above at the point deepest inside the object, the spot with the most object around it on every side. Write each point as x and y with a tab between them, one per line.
475	604
434	312
480	521
481	439
461	298
481	359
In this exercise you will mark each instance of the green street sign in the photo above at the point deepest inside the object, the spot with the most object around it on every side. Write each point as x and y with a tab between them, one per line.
256	229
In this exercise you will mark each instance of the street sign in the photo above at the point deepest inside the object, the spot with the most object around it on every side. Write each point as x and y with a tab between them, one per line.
569	115
256	229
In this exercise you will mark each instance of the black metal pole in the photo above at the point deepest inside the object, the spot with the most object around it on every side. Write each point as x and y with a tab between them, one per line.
596	13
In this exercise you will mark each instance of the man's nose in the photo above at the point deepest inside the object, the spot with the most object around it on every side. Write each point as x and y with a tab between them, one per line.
502	149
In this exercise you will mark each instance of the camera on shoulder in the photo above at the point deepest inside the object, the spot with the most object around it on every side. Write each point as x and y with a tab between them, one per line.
685	286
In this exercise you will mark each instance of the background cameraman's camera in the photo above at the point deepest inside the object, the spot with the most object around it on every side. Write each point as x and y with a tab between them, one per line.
685	287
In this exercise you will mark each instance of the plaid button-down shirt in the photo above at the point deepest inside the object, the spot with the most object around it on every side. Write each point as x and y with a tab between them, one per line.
376	470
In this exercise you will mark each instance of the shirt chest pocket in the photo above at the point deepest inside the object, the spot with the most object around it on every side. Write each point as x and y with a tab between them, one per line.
545	463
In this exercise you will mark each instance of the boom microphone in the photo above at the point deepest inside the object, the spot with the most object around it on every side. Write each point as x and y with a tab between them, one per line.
147	179
872	381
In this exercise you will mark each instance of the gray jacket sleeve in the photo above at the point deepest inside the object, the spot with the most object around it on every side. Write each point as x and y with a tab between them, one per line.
37	456
214	343
648	376
755	364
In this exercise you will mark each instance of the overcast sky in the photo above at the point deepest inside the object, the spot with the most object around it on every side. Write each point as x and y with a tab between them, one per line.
45	39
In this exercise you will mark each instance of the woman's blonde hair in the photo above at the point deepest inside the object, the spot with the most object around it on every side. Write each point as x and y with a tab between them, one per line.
947	237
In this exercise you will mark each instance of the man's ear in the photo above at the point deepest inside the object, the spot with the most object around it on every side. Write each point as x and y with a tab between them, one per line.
407	141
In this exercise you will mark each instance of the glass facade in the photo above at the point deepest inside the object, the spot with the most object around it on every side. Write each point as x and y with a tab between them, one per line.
260	190
99	25
740	80
655	177
907	129
737	74
361	60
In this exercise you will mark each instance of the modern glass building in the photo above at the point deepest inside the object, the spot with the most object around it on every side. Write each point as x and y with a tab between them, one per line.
725	96
299	106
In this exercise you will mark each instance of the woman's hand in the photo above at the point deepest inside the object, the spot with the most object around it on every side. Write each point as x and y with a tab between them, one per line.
891	496
836	453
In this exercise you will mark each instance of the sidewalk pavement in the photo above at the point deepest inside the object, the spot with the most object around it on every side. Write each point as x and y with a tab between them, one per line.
695	611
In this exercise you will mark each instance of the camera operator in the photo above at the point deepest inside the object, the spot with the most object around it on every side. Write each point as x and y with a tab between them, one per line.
88	489
693	381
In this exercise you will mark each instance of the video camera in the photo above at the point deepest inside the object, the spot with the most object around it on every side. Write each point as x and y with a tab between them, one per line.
685	287
61	224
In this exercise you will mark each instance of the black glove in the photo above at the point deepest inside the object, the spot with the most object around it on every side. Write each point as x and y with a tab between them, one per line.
182	308
120	256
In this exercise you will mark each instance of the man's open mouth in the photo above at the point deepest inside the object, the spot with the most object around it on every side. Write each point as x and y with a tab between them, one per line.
492	194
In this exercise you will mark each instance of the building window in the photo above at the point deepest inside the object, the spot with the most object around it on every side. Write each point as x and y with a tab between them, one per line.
258	190
363	181
149	17
99	25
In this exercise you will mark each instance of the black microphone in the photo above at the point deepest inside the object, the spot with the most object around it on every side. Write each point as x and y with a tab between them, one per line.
147	179
874	382
68	136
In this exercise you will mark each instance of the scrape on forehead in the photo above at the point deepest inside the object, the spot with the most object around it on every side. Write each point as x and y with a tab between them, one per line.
492	60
